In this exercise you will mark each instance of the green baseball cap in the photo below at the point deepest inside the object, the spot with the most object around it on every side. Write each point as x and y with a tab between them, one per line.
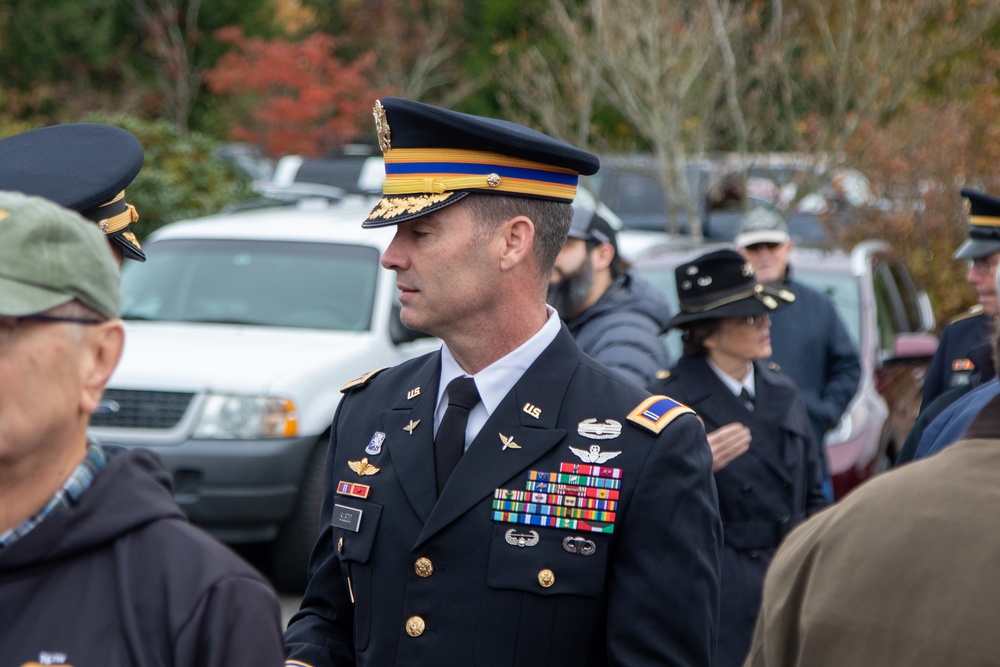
49	256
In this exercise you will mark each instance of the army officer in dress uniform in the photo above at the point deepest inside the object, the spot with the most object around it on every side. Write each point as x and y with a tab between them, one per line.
507	500
84	167
765	456
963	357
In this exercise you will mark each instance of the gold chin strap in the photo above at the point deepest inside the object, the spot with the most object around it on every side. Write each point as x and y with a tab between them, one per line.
118	222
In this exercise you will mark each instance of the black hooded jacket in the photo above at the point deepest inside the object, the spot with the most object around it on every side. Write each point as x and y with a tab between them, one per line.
122	579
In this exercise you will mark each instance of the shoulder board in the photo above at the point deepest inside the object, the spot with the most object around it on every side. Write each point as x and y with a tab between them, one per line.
656	412
662	374
971	312
361	381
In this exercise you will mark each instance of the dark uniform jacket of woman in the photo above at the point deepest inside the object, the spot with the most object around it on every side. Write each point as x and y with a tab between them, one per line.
763	493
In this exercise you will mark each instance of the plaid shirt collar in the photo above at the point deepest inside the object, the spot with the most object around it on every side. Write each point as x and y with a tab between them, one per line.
67	496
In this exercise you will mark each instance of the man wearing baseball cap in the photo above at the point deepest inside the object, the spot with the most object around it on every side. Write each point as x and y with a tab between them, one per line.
811	343
614	315
97	564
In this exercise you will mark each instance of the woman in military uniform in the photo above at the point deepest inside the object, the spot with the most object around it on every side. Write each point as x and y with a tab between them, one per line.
765	457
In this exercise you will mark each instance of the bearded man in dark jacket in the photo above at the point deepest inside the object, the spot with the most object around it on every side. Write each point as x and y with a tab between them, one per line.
614	315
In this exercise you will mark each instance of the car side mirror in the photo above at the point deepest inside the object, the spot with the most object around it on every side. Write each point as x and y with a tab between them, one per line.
399	332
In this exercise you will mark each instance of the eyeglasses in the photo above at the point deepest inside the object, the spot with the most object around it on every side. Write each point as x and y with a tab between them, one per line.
754	320
984	264
52	318
9	325
767	245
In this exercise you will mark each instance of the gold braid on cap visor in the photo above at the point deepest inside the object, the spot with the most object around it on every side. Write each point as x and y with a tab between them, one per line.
984	221
119	221
439	170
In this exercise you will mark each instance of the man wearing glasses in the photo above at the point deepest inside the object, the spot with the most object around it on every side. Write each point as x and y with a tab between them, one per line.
97	564
963	357
811	343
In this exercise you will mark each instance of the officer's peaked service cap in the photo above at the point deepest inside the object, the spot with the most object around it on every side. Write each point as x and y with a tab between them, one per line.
984	225
434	157
84	167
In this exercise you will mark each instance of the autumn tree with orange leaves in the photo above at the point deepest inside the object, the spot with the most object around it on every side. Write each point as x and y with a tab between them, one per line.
296	97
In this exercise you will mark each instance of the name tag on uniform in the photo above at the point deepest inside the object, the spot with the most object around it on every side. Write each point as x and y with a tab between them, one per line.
346	517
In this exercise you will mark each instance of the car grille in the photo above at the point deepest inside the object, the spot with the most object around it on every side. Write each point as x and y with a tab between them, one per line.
127	408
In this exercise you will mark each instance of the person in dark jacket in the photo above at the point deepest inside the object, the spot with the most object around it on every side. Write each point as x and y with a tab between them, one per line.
764	452
97	564
811	343
615	316
963	355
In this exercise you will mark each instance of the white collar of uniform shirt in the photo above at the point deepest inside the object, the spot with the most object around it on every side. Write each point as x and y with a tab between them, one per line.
733	384
496	380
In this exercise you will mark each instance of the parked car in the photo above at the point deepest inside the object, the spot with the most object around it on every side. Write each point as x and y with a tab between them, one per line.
888	318
240	331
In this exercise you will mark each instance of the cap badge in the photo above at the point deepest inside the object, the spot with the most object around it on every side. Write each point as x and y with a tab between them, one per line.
522	540
746	270
375	446
591	428
594	455
412	425
382	127
103	226
362	467
508	441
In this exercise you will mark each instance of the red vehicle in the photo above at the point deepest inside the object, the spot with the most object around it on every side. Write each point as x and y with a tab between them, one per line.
890	321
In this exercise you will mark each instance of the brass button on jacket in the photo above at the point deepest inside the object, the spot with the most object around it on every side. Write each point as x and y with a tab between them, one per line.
424	567
415	626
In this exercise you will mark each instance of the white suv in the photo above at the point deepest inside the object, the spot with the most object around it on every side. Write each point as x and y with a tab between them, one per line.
240	331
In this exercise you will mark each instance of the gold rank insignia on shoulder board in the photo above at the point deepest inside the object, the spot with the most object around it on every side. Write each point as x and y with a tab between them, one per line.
656	412
362	381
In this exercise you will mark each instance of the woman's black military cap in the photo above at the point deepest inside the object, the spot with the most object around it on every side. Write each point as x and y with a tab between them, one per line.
721	284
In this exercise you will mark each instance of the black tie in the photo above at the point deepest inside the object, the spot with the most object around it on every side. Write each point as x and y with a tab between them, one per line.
747	399
449	445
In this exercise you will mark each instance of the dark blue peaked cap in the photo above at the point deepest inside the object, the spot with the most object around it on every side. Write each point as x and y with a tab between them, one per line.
984	225
81	166
435	157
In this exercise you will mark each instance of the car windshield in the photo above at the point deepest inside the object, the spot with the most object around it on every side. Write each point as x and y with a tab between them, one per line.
841	288
263	283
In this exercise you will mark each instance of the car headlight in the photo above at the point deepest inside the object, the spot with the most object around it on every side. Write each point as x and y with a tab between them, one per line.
230	417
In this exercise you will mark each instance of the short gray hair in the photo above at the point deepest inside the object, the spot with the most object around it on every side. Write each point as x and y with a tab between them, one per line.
552	220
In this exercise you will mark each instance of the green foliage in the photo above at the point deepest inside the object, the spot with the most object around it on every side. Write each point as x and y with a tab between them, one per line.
181	177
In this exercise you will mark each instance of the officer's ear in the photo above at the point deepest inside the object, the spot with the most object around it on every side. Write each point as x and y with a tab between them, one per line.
516	240
602	255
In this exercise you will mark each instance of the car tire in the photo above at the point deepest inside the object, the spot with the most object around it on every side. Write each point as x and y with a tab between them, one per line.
297	536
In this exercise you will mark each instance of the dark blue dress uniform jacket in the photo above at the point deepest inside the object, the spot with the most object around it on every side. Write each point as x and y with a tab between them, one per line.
648	594
958	340
763	493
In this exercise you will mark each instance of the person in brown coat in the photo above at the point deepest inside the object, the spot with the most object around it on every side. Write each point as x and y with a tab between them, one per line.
857	586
